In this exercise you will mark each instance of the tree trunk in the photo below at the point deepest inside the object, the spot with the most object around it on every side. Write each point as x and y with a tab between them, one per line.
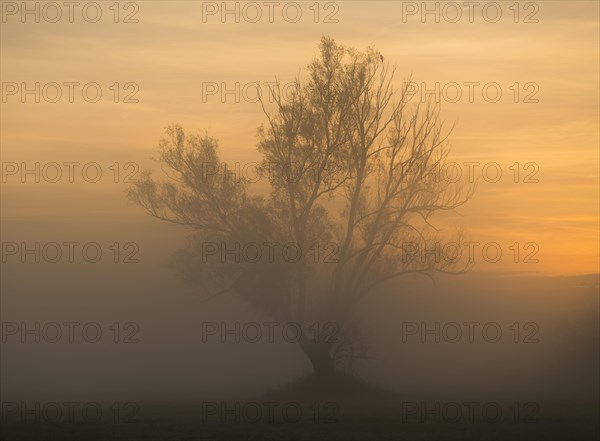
319	355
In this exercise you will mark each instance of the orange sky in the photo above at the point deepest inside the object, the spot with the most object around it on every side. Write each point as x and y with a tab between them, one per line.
171	52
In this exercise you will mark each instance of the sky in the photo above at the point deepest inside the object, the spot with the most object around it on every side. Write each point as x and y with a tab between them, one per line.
542	56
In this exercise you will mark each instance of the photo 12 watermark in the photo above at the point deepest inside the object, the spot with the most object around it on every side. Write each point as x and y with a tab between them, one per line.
470	12
470	332
70	12
55	412
71	172
69	252
69	92
70	332
270	12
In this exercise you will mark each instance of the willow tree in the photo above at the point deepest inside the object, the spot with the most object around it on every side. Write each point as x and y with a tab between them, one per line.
354	174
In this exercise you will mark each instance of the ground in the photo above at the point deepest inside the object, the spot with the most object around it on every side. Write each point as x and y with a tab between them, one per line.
323	409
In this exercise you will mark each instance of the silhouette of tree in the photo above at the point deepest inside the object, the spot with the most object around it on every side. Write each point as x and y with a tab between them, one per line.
353	168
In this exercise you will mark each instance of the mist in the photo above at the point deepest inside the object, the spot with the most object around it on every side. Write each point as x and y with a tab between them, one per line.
295	220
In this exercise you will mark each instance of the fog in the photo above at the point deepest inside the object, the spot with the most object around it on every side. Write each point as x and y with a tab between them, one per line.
299	220
174	357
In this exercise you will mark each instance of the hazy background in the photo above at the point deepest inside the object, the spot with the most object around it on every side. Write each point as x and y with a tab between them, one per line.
169	53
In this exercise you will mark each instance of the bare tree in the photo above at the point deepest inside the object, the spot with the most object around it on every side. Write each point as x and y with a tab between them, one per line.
356	168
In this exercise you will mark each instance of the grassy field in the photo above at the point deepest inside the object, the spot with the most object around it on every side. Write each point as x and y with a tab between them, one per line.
387	419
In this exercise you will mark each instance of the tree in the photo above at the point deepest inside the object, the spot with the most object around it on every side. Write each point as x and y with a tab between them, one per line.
353	169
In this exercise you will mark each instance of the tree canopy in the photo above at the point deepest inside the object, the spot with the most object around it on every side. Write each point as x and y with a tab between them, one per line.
356	178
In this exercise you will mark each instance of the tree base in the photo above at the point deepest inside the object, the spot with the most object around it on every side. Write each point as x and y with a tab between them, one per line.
330	386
